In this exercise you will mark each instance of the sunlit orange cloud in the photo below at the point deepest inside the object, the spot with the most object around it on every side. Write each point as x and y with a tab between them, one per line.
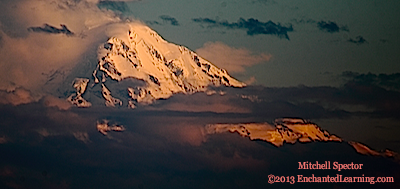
232	59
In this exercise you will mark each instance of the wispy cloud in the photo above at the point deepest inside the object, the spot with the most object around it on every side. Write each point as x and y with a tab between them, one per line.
51	29
251	25
16	97
120	6
170	20
232	59
103	127
51	101
359	40
165	20
82	136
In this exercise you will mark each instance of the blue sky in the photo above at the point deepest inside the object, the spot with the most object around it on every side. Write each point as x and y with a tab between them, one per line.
313	56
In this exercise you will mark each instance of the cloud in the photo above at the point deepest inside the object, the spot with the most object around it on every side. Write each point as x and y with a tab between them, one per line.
304	21
251	80
183	133
61	104
326	102
16	97
82	136
51	29
201	102
103	127
386	81
169	19
232	59
28	57
165	19
120	6
359	40
264	2
3	140
251	25
331	27
155	145
371	95
153	23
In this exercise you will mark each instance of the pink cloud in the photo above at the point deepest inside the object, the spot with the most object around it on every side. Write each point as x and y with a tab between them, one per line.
232	59
51	101
16	97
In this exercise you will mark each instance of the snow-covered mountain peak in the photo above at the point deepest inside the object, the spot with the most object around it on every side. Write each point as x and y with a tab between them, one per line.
166	68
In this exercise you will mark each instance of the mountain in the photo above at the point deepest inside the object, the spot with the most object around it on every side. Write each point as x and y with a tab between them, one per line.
291	130
150	68
284	130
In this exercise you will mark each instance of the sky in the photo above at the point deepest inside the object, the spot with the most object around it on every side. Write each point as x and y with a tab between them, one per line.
325	38
333	63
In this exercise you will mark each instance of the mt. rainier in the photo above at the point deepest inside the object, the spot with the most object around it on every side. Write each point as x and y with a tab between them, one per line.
149	68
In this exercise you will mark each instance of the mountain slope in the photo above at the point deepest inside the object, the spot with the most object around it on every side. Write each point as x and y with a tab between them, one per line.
164	68
285	130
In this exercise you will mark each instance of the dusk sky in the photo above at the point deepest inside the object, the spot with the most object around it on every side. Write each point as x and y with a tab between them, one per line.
326	38
331	68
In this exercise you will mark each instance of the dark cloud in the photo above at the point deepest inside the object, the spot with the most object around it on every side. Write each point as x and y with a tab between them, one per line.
51	29
153	23
383	40
304	21
359	40
264	2
165	19
386	81
251	25
352	99
331	27
51	148
119	6
167	139
169	19
361	95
